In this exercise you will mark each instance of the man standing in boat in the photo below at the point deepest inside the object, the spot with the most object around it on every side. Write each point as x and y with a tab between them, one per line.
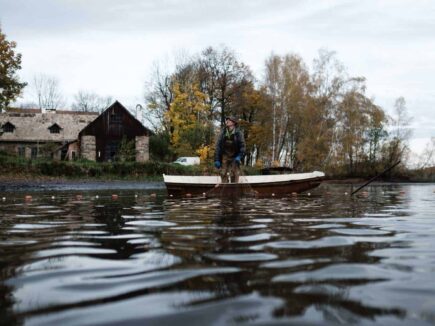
230	149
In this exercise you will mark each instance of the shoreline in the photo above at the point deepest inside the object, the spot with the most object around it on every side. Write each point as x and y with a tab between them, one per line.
23	178
40	183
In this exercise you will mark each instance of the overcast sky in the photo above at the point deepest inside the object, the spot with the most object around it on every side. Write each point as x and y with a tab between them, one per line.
109	46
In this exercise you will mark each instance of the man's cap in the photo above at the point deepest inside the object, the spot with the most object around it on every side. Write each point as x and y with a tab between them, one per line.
233	119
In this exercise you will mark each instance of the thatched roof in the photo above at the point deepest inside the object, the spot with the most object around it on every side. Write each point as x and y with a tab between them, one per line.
33	126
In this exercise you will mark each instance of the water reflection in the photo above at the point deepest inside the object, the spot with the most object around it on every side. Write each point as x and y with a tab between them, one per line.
92	258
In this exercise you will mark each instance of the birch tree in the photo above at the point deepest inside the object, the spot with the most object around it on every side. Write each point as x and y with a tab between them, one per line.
288	85
397	148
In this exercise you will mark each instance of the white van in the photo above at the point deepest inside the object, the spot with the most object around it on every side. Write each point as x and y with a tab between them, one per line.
184	160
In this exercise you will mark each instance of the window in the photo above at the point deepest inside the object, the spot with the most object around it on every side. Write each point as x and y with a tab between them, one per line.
34	153
115	119
21	151
54	129
8	127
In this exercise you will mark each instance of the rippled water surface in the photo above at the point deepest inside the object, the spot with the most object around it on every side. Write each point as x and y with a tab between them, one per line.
87	258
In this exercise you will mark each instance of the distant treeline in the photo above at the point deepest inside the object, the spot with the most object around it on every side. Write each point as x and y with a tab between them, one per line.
317	118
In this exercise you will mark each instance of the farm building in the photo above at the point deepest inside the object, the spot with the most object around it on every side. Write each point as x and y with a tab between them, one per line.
68	135
30	133
102	138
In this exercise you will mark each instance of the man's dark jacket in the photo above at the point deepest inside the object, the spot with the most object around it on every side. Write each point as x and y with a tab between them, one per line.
239	141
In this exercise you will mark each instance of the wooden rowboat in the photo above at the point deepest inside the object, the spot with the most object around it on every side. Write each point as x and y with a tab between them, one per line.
254	185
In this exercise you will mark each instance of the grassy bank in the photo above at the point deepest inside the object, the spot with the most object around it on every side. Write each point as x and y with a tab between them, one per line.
16	168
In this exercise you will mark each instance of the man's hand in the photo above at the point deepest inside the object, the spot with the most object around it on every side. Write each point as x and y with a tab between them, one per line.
217	164
238	160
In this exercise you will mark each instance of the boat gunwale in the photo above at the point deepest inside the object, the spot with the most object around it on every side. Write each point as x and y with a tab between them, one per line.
288	178
241	184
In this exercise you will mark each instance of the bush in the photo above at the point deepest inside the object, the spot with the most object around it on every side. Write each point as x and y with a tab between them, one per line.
60	168
117	169
160	149
12	162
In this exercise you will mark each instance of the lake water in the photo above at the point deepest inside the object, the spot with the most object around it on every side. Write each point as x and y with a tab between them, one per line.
82	257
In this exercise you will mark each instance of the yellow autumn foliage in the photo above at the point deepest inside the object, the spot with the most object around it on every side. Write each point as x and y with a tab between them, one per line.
187	118
204	152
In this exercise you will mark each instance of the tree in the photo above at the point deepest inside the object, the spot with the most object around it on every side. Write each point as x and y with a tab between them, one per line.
427	158
126	151
160	147
47	92
352	125
252	105
220	76
317	120
288	84
400	121
397	147
273	82
320	120
188	118
167	95
10	63
159	97
297	90
328	80
86	101
213	81
159	90
376	134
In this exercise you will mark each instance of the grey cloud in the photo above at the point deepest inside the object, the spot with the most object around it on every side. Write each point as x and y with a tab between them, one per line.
51	16
353	19
338	18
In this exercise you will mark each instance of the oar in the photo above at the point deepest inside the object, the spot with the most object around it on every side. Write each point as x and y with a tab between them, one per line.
377	176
